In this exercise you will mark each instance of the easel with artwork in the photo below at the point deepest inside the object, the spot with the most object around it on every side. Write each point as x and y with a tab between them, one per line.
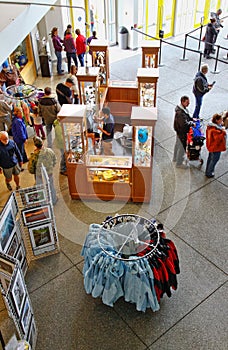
27	232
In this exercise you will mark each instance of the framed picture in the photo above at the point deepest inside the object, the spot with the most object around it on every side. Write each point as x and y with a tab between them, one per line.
41	237
25	316
5	281
13	245
20	255
6	266
35	196
32	334
18	292
39	214
7	223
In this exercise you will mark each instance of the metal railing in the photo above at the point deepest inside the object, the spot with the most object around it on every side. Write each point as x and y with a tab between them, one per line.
185	48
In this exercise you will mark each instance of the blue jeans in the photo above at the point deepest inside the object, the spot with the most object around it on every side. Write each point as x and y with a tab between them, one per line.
212	160
81	59
199	100
49	135
74	57
59	61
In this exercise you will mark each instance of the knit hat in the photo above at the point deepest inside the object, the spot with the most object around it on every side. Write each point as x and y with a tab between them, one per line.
37	141
5	64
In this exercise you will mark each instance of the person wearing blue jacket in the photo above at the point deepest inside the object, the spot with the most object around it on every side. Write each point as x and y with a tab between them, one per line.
10	160
19	132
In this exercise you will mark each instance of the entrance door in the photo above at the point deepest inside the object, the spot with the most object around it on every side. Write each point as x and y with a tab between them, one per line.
166	12
110	10
184	16
201	15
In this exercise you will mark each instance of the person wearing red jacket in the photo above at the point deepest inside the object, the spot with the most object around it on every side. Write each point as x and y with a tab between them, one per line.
80	46
215	142
70	49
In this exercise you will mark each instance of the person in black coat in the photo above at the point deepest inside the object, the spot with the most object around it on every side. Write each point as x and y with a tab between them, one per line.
182	123
210	36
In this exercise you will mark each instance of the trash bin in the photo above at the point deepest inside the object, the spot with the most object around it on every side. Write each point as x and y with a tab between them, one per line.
45	65
123	38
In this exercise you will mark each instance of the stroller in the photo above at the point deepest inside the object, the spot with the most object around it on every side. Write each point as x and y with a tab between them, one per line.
195	141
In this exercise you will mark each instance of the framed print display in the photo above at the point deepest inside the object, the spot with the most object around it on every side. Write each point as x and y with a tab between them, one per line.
6	266
42	238
13	245
7	224
36	215
35	196
25	316
18	292
32	334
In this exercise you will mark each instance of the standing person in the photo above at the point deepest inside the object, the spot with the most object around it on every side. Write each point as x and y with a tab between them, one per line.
107	131
182	124
211	32
92	37
200	88
91	12
38	123
215	142
64	91
5	116
218	24
73	76
70	49
60	145
46	156
57	43
48	108
19	132
10	160
80	46
69	29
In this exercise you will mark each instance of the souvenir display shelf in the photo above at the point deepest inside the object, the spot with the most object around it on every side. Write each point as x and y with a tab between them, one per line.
100	58
150	51
147	86
93	175
89	86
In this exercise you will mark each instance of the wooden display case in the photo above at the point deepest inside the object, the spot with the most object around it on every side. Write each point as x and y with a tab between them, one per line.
147	86
117	177
143	121
150	51
89	86
100	58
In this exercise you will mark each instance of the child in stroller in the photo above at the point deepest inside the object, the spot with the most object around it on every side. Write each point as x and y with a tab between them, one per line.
195	141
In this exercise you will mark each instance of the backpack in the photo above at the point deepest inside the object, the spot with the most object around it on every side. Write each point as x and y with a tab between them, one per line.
33	162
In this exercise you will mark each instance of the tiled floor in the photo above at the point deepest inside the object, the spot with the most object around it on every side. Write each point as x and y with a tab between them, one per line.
194	211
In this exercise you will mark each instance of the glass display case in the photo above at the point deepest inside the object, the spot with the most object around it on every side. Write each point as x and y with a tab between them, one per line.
100	58
89	86
143	121
150	51
147	86
73	120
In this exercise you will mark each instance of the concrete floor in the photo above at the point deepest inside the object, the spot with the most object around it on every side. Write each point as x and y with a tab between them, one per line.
191	207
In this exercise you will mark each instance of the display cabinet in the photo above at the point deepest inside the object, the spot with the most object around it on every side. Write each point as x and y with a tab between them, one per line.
150	51
143	121
147	86
89	86
100	58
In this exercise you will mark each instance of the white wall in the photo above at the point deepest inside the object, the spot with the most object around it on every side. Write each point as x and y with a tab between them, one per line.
21	25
